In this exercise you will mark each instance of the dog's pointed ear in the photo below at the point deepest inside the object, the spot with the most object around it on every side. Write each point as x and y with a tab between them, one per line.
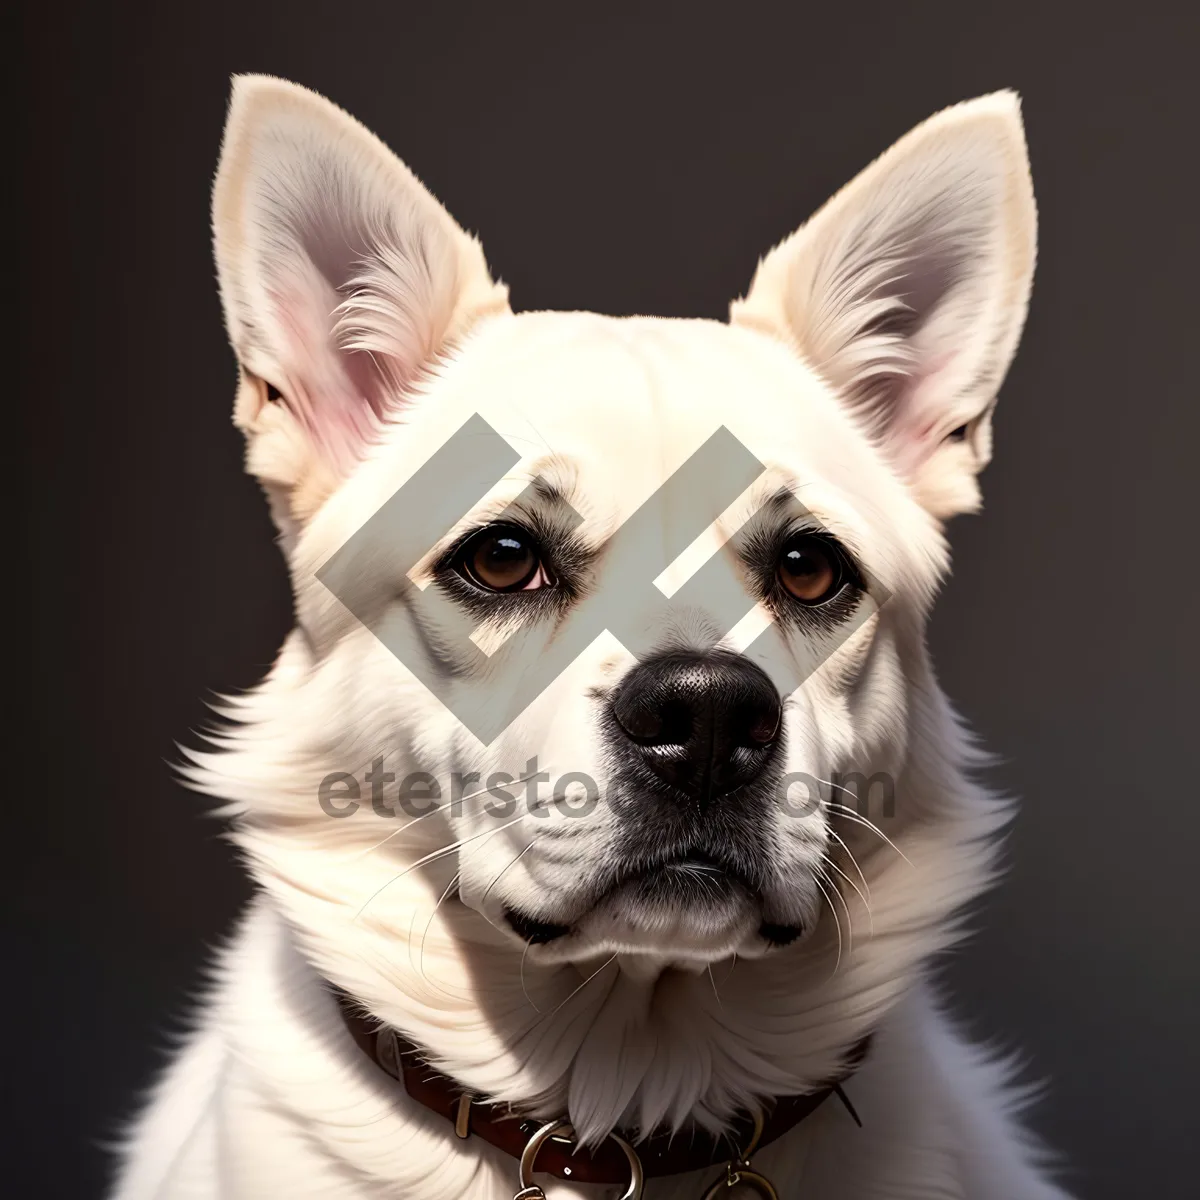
342	279
907	292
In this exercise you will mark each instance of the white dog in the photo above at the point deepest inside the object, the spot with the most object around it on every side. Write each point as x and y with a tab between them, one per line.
547	786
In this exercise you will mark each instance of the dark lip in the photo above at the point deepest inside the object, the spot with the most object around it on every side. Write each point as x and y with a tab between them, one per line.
530	929
776	934
539	932
641	871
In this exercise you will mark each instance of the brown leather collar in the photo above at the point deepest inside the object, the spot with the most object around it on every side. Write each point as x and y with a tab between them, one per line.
660	1153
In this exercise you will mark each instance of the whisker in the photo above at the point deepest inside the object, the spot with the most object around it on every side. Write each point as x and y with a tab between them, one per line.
437	809
850	815
837	891
712	980
732	968
836	921
524	955
607	962
837	837
866	904
434	856
513	863
428	926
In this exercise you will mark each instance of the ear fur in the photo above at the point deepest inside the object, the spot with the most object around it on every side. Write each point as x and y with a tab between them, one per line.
342	280
908	292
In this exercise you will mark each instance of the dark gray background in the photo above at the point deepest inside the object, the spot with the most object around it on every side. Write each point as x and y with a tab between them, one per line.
626	159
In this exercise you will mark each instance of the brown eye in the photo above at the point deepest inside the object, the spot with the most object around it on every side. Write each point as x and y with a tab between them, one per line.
503	558
810	569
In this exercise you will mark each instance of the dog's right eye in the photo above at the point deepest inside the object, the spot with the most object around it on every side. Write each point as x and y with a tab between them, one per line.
813	569
503	558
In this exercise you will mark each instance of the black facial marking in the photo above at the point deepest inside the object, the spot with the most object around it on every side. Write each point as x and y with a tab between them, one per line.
779	935
531	930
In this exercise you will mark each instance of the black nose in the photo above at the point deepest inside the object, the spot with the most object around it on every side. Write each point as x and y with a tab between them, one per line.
704	723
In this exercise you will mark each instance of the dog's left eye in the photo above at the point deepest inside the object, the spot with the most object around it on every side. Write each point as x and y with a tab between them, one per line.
503	558
813	569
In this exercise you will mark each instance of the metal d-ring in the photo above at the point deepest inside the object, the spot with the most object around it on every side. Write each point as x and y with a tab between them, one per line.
755	1137
741	1177
564	1131
739	1173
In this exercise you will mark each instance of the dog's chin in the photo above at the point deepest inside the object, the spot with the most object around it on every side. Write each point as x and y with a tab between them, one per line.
674	910
685	912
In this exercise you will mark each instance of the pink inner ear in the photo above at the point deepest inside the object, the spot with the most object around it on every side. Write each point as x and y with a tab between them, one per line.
340	397
920	421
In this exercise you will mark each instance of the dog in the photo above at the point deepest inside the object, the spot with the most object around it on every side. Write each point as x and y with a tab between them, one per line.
545	796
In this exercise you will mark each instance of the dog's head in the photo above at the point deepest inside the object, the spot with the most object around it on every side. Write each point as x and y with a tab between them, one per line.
649	587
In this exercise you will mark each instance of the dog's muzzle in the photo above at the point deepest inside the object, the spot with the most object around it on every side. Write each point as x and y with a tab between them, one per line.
704	724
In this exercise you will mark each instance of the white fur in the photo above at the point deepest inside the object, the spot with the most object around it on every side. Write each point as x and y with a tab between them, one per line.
628	1021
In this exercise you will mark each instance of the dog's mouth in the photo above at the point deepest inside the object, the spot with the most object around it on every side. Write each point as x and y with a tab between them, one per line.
689	899
534	931
689	879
